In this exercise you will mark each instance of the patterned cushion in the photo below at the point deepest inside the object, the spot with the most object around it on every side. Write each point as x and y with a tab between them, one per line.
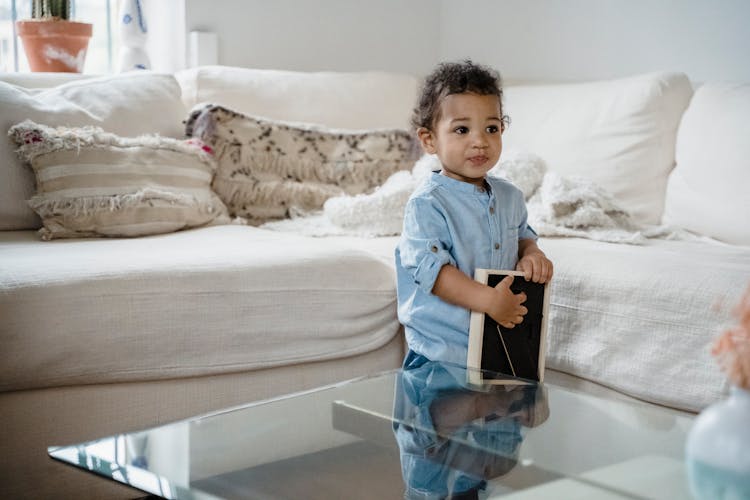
93	183
271	170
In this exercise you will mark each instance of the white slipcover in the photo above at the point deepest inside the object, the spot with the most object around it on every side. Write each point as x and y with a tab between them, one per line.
707	191
200	302
641	319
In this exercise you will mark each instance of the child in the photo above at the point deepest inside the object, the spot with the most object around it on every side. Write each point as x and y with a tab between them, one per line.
459	219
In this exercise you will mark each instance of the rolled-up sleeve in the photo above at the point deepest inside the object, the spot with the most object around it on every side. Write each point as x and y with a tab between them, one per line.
526	232
424	247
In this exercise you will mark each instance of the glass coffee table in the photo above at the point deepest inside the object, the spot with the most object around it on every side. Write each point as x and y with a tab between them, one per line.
421	433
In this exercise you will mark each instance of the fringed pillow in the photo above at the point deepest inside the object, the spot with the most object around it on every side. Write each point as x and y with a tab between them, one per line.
270	170
93	183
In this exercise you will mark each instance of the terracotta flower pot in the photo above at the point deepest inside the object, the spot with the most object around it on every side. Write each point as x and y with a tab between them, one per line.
54	44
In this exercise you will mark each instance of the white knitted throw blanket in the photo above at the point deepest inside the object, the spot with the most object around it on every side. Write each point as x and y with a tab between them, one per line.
557	206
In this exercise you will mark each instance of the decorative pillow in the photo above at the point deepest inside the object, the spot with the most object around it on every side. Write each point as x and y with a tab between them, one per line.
270	169
127	104
618	133
94	183
707	192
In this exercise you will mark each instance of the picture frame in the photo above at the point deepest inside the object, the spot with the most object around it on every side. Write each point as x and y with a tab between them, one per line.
513	355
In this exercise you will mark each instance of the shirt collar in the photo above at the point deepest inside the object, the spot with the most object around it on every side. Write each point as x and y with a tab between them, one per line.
454	184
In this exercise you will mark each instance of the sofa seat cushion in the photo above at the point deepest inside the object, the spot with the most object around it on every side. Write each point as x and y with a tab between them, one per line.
204	301
640	319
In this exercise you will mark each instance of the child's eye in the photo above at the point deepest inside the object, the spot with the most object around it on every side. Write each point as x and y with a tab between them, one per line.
461	130
493	129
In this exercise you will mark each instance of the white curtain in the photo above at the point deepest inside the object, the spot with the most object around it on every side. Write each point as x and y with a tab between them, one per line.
152	35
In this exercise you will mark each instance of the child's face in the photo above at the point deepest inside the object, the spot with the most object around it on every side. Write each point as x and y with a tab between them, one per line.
467	137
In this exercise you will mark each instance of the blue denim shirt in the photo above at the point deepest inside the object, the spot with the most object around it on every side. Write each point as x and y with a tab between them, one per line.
448	221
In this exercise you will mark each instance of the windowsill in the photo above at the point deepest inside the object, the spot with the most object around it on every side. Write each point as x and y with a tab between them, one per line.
42	80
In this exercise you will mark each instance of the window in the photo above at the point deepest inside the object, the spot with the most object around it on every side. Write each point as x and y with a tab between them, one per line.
102	51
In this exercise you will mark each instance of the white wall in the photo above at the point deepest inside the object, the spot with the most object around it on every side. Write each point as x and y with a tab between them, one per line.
562	40
588	39
343	35
166	41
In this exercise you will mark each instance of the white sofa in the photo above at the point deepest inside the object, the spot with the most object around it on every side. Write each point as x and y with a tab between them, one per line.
107	335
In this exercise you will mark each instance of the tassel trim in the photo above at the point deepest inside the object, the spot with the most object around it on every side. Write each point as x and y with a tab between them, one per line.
47	206
35	139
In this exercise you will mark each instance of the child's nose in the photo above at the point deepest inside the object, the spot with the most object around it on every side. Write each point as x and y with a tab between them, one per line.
480	141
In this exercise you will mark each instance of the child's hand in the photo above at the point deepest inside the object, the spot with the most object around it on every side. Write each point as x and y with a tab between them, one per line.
506	308
535	266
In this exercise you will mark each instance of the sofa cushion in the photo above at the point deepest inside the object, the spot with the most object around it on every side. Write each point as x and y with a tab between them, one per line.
358	100
213	300
618	133
269	169
129	104
641	318
93	183
708	190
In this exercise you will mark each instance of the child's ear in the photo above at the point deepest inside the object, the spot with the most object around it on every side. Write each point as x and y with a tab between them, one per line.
427	139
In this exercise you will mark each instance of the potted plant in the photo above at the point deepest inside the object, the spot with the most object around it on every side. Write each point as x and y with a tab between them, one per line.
51	41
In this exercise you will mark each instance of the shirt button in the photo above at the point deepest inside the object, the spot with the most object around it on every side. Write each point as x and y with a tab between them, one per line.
492	210
480	189
497	245
434	249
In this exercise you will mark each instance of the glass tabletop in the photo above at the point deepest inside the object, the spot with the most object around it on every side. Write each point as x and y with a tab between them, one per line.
436	431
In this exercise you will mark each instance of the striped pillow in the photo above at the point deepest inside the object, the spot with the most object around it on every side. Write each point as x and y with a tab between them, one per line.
93	183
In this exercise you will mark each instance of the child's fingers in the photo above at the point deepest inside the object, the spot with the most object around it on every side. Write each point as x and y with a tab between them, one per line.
531	270
536	270
546	271
540	271
505	282
528	269
516	320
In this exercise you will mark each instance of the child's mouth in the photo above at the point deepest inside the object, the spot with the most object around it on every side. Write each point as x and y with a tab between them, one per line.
478	160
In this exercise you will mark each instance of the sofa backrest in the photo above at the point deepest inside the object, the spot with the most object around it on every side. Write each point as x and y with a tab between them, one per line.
619	133
362	100
709	190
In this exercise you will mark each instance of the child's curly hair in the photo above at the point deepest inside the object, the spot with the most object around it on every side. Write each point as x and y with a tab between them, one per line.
455	78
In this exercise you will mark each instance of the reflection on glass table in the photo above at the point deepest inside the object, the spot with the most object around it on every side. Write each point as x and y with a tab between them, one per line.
424	432
452	437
